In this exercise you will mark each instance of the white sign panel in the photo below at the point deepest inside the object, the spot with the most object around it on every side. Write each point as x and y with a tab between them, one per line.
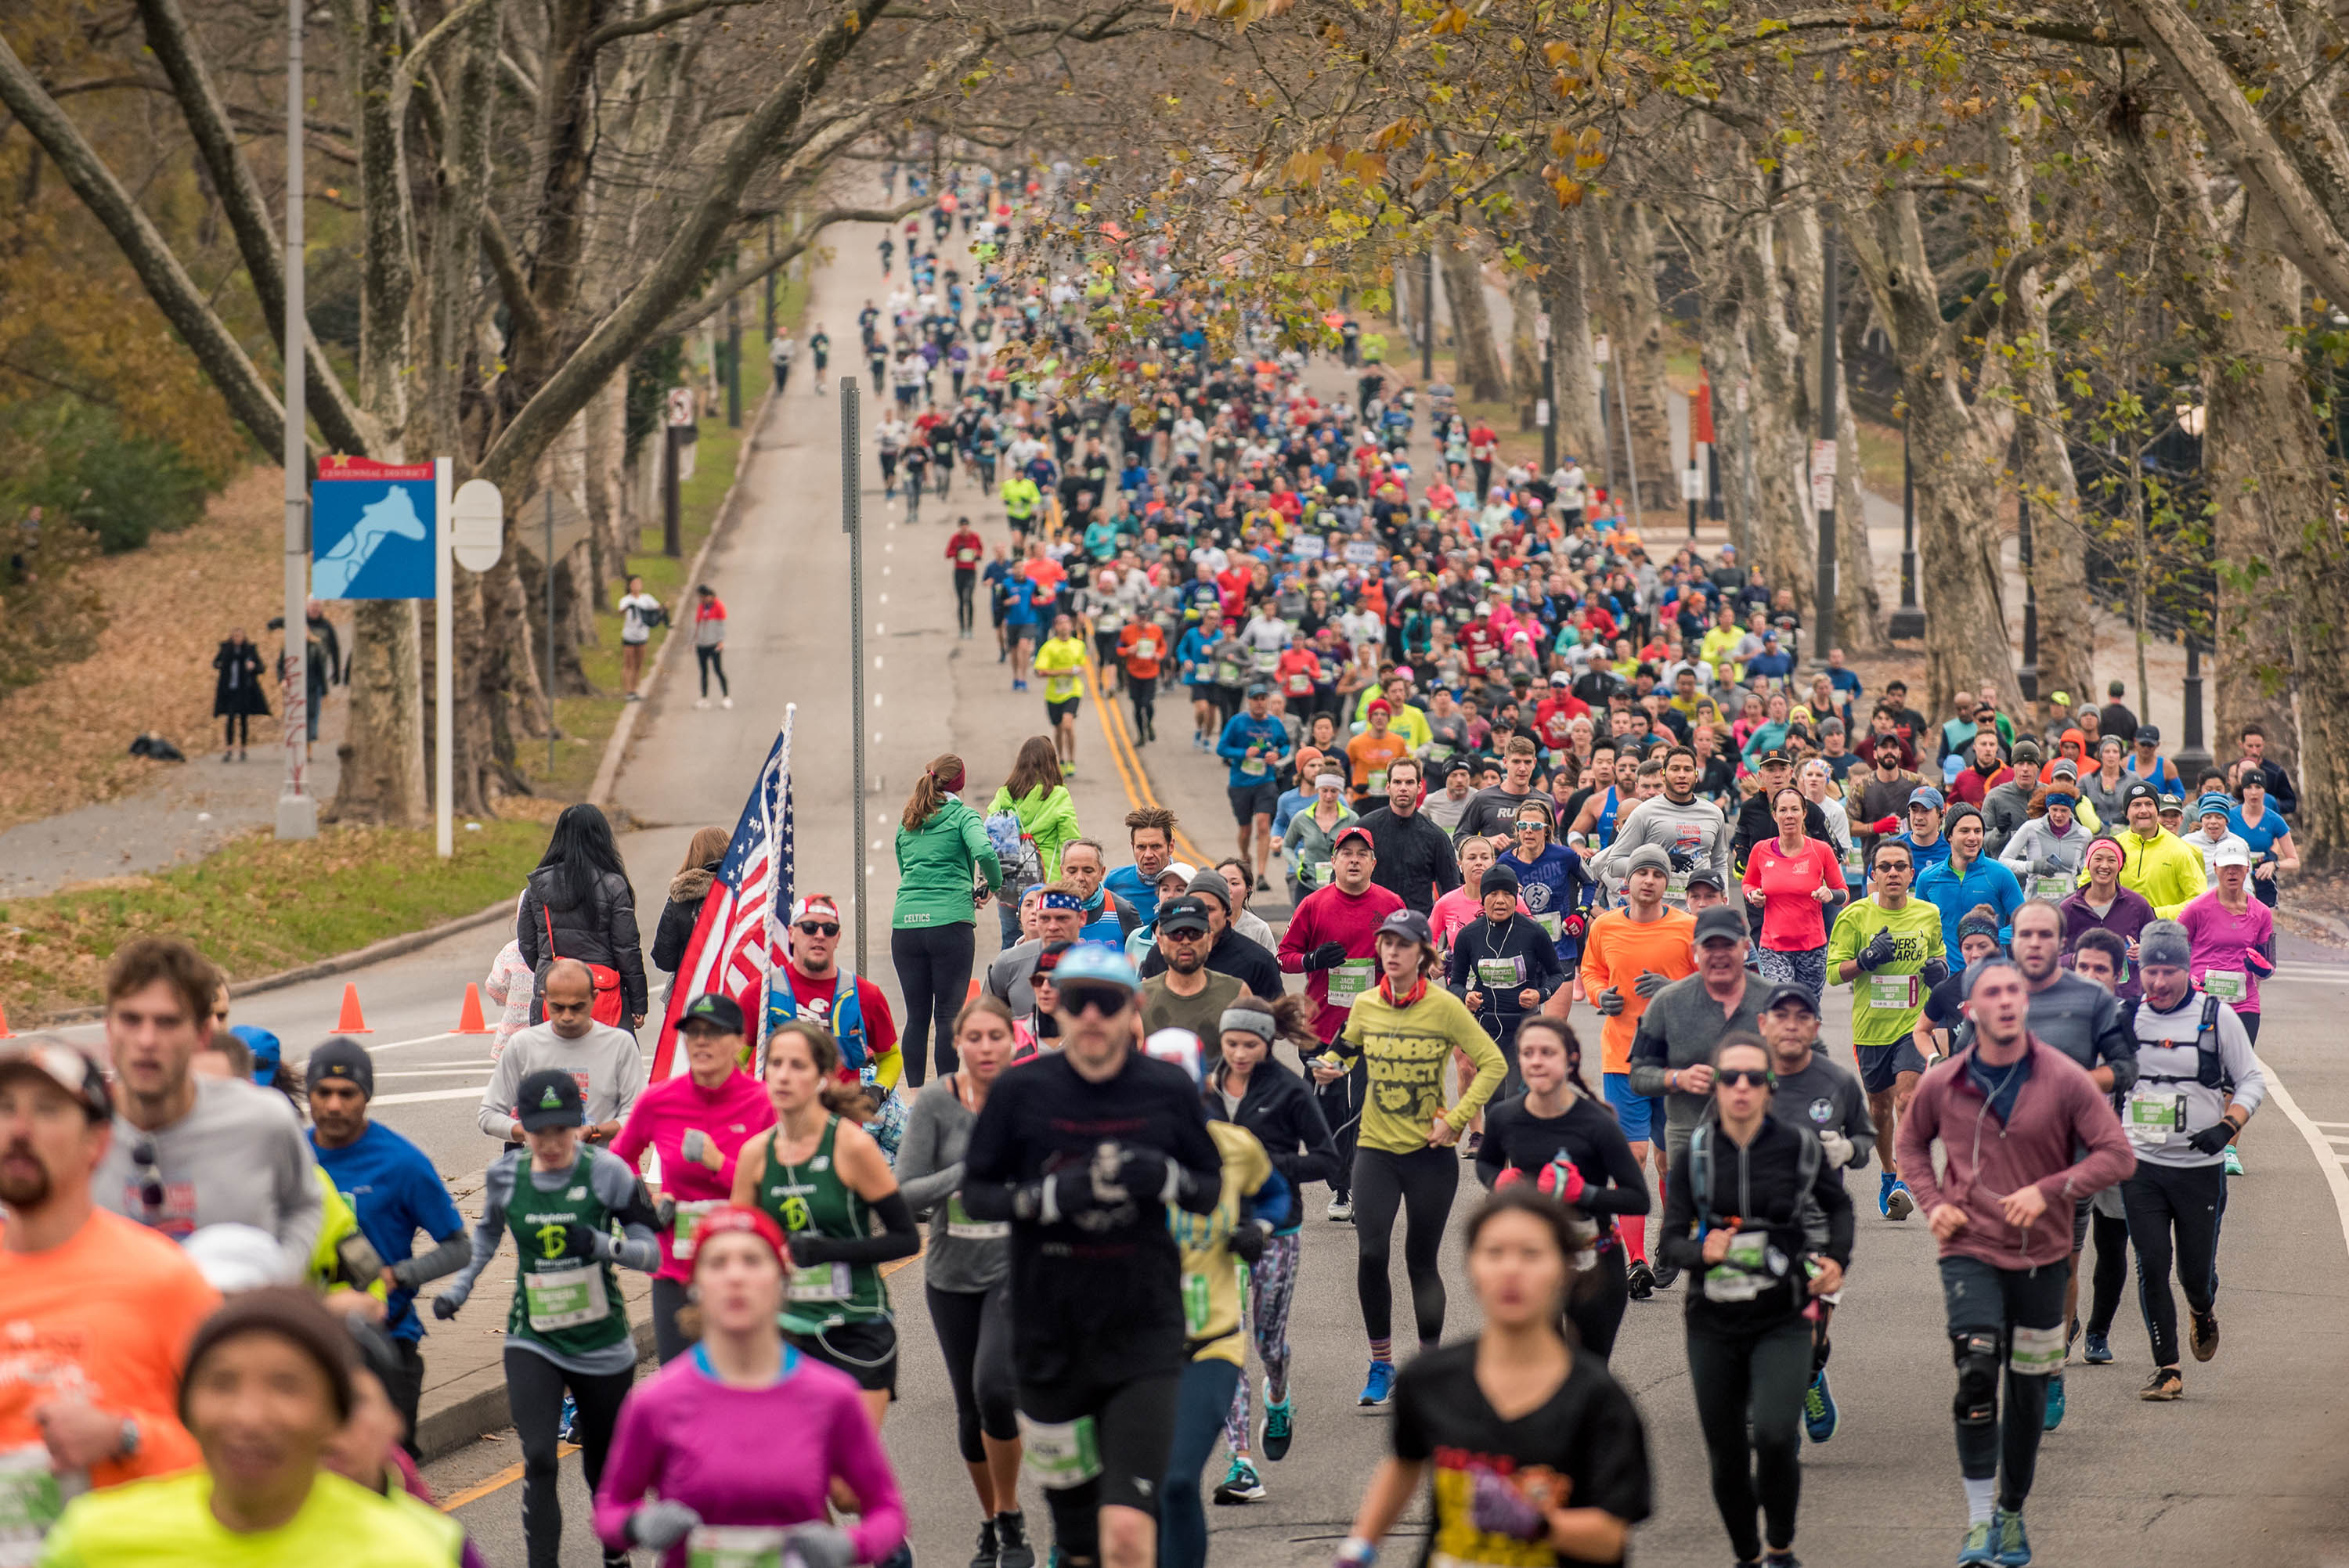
477	530
1823	473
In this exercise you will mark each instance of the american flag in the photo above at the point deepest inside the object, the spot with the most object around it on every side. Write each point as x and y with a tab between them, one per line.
742	917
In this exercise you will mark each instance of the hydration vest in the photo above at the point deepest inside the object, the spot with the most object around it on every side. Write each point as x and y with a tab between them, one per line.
843	1013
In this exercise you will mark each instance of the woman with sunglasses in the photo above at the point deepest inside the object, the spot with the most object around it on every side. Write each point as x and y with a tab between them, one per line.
1554	882
1737	1213
967	1273
693	1474
1563	1138
1540	1454
1403	1028
819	1176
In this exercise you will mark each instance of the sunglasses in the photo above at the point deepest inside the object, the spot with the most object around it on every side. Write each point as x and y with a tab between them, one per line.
1080	995
819	927
1745	1077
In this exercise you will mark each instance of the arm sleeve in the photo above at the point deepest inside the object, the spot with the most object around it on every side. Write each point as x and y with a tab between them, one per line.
988	1177
1827	1192
488	1231
1550	973
2242	1064
1310	1130
899	1237
2116	1043
1912	1144
1447	862
636	1134
1860	1128
617	1189
1456	961
495	1117
451	1255
1491	1069
920	1178
982	851
1296	937
1674	1245
1625	1188
858	1458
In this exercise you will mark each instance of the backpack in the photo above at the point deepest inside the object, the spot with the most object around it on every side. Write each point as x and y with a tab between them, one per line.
1023	867
2209	1068
1810	1154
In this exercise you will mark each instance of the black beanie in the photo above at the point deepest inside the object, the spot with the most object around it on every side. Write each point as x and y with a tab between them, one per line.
293	1314
341	1057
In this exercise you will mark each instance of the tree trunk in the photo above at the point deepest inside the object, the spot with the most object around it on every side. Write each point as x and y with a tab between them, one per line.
1475	363
1713	256
383	755
1525	368
1573	401
1859	604
1638	345
1783	546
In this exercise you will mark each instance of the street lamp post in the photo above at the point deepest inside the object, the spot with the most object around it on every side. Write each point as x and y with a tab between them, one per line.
1907	621
1822	482
2192	755
297	808
2028	675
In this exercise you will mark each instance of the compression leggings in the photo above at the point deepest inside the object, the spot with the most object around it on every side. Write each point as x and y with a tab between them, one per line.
2167	1202
933	966
1272	1288
535	1398
1421	1185
974	1329
1749	1393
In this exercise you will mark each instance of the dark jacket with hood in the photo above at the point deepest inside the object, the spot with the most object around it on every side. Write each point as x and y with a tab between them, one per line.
680	914
1278	1108
601	930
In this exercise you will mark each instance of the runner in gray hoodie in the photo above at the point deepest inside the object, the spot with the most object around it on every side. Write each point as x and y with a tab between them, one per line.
1689	829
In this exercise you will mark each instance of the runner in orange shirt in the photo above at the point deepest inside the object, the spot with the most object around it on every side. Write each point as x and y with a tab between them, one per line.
1372	752
96	1310
1142	648
1628	956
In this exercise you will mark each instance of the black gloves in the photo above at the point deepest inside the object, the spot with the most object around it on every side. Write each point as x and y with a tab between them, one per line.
1935	970
445	1305
1248	1241
1142	1173
1329	956
664	1213
2213	1137
585	1241
1879	951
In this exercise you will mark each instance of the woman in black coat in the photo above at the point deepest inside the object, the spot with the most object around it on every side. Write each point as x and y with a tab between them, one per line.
579	897
237	692
687	892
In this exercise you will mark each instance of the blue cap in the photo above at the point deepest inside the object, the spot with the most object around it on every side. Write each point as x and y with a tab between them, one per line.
2215	801
266	1052
1096	960
1926	795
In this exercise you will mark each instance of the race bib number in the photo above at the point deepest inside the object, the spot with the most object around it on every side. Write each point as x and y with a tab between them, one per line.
1146	649
2154	1115
1676	886
734	1546
2227	984
1893	992
1551	922
819	1282
1497	972
966	557
2055	890
1058	1455
1300	685
1378	783
1738	1276
564	1295
963	1228
1349	980
1198	1306
1227	672
1253	767
2036	1352
1320	876
688	1226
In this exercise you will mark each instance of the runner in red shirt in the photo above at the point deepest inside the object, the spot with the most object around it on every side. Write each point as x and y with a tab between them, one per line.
968	552
1556	713
1142	646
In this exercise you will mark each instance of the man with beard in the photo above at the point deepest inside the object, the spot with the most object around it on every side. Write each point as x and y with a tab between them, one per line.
1692	832
99	1308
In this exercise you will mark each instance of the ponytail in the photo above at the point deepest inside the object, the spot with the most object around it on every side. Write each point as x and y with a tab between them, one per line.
942	777
840	1097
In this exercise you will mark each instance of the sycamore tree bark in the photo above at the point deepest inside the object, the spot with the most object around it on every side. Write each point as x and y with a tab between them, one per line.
1784	537
1475	363
1527	381
1626	239
1559	244
1713	251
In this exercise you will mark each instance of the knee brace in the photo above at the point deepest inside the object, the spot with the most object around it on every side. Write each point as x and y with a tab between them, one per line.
1977	1358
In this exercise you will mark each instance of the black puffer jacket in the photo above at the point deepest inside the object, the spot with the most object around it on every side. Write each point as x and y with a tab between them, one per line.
1287	1120
687	890
600	931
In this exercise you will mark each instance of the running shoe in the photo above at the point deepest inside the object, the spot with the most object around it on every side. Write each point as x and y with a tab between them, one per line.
1898	1204
1641	1279
2202	1334
1785	1559
1380	1388
2012	1541
1068	770
2164	1385
726	702
1011	1538
2099	1351
1884	1180
1471	1144
1665	1274
1240	1484
1980	1546
568	1423
989	1549
2234	1162
2055	1416
901	1558
1019	685
1342	1210
1280	1425
1262	883
1820	1416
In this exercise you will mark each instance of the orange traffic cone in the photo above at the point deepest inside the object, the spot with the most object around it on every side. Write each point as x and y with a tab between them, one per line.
352	1022
5	1034
469	1018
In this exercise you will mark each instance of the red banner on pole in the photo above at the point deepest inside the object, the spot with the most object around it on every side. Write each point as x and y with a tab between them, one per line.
1700	417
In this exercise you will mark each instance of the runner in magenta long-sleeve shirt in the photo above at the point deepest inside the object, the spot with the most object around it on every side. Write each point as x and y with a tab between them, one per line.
1346	913
727	1108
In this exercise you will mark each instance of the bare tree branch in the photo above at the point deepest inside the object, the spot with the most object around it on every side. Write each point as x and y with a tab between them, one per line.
734	282
419	56
653	21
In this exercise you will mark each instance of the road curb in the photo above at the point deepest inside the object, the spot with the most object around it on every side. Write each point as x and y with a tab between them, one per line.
615	747
470	1417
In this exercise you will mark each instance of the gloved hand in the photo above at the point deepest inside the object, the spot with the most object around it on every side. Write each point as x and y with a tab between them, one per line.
2212	1138
1142	1173
1883	825
806	1248
1650	983
664	1213
1838	1147
818	1546
2047	866
586	1242
661	1524
1609	1002
1562	1180
1934	972
1499	1508
1247	1240
1329	956
1878	952
446	1304
1574	925
1510	1175
696	1144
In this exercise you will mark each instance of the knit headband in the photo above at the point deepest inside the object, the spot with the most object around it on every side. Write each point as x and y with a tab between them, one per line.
949	782
1248	1021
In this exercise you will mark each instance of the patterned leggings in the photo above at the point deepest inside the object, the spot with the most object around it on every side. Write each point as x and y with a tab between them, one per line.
1272	1287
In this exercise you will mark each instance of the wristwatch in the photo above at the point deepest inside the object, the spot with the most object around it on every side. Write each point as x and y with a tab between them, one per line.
126	1445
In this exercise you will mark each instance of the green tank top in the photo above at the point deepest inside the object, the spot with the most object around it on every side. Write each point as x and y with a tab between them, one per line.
567	1303
811	1196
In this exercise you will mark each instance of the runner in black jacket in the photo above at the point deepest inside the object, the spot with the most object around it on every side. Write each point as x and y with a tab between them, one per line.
1497	961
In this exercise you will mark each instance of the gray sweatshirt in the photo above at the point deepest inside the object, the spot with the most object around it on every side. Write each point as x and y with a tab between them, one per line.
1694	835
614	1186
2034	841
2168	1063
237	1158
613	1066
966	1256
1680	1029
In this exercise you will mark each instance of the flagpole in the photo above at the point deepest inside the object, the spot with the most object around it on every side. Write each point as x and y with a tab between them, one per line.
781	897
852	521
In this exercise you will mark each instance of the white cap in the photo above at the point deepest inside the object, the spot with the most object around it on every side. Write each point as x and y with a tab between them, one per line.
1179	869
2231	852
1180	1046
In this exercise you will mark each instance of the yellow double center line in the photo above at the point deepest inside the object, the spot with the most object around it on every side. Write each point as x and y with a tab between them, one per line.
1122	752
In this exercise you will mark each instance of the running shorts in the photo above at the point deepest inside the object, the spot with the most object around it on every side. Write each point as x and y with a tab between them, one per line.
1065	709
1641	1115
1881	1065
866	1349
1250	801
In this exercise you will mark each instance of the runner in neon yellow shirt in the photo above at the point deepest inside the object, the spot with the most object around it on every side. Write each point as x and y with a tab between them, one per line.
1061	662
1888	948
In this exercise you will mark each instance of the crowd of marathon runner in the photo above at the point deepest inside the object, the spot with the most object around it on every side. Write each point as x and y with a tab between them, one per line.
1521	784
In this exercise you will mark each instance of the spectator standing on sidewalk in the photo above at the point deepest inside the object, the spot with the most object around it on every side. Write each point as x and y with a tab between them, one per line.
709	644
639	614
237	692
578	904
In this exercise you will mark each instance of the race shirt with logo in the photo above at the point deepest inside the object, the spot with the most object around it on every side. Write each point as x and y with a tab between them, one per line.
1886	1003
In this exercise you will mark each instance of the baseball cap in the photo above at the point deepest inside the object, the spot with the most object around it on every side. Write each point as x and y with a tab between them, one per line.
1788	991
1188	913
341	1057
1881	741
1925	795
1258	689
1705	876
721	1012
2231	852
2171	803
1777	757
819	904
2063	768
267	1052
1353	831
1177	1046
1649	858
549	1098
68	1067
2148	734
1407	923
1560	678
1719	922
2061	698
1097	961
1183	869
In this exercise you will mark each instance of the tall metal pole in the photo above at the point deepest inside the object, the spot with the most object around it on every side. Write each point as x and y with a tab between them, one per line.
1549	398
770	282
734	362
550	629
1824	616
851	523
672	493
1907	621
2028	675
1427	316
2192	755
297	808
